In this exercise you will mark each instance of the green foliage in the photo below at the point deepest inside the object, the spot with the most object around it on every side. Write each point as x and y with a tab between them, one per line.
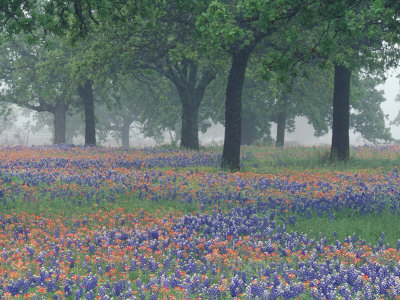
367	117
217	24
36	77
17	16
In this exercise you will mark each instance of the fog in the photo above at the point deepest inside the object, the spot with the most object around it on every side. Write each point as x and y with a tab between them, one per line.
303	135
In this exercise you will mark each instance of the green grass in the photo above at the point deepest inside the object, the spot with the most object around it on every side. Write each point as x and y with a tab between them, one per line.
273	160
130	204
367	227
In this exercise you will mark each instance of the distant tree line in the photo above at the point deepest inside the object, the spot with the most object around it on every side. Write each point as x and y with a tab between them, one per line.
177	66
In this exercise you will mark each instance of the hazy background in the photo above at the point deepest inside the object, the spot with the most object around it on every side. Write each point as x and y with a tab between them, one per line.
303	135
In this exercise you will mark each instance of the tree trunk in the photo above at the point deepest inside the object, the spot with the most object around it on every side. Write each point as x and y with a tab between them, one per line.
126	124
248	128
190	126
233	108
281	122
86	94
280	131
191	89
60	122
341	112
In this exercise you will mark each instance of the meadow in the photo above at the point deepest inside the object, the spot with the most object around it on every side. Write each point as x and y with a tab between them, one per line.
161	223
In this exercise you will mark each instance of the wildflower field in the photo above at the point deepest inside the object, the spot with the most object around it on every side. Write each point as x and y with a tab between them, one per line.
158	223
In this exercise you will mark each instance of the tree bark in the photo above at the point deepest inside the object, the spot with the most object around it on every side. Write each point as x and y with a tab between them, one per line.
233	108
126	124
281	122
248	128
86	94
60	123
341	112
190	125
191	91
280	131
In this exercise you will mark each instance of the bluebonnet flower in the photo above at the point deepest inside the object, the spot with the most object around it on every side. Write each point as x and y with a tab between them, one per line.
213	292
